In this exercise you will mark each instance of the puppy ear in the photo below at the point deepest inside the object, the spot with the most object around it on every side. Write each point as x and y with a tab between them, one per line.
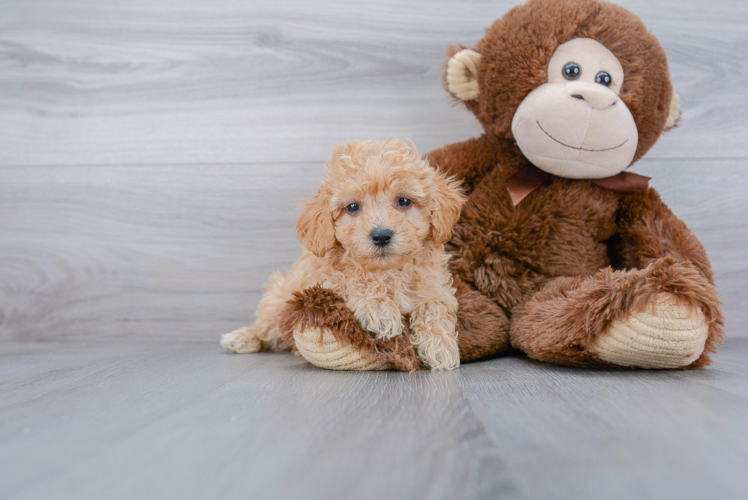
447	199
314	227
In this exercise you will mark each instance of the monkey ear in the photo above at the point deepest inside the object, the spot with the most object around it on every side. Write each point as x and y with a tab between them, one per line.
462	74
447	199
314	227
674	115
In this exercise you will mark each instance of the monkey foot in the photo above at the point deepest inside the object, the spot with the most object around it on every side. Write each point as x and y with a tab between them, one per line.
665	334
320	348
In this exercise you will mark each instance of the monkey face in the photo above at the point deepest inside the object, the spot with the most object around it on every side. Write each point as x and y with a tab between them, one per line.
576	125
518	78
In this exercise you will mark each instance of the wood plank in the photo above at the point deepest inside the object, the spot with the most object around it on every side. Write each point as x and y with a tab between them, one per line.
102	83
187	421
183	251
616	434
102	252
182	420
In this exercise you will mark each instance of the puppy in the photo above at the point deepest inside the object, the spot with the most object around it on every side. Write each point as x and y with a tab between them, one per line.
374	234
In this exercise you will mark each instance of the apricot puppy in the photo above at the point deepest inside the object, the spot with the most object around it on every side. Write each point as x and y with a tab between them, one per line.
374	234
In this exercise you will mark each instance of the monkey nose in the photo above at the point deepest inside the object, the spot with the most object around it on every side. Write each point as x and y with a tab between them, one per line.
381	237
594	94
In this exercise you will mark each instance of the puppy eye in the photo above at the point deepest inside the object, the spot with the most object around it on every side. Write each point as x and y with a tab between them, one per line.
572	71
603	78
404	202
353	208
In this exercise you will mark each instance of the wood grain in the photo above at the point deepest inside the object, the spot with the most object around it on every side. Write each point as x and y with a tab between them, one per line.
183	251
91	82
145	419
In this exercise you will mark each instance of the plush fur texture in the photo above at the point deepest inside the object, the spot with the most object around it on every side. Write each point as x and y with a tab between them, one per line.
572	261
566	230
562	321
368	188
320	307
482	327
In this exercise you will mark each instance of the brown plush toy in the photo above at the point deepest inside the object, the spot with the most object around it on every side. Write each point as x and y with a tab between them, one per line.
558	250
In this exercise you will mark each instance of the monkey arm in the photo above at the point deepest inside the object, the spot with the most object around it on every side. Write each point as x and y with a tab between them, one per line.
468	160
648	231
649	234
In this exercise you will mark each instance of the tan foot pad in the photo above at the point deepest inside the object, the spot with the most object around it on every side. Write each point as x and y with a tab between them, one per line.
666	334
330	354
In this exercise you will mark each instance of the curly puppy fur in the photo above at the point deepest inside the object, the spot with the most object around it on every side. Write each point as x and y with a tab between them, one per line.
362	193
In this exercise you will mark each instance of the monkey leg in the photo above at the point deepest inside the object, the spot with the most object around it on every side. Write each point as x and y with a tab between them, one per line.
324	331
321	328
482	327
664	316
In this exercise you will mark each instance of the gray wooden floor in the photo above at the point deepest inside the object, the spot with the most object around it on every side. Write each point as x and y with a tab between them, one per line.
155	420
151	156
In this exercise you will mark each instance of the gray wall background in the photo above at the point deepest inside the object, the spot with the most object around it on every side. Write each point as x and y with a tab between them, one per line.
152	152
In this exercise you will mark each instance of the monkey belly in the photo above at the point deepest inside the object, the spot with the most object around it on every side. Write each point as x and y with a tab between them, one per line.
560	229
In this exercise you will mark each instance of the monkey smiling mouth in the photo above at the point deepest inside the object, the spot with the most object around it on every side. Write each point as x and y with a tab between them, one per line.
579	149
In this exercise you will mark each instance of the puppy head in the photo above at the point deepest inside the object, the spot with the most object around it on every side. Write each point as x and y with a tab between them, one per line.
380	201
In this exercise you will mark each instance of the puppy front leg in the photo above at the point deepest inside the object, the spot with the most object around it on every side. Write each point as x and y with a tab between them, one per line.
434	335
379	315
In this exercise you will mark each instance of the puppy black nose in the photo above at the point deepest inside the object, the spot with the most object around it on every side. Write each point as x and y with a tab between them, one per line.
381	237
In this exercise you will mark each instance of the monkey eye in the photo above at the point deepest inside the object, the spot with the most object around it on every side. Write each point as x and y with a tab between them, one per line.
572	71
353	208
603	78
404	202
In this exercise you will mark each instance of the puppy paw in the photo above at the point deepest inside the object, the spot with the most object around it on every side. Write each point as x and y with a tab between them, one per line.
440	357
667	333
241	341
384	326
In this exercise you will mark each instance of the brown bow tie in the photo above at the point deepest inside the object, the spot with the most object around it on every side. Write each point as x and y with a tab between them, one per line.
530	177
